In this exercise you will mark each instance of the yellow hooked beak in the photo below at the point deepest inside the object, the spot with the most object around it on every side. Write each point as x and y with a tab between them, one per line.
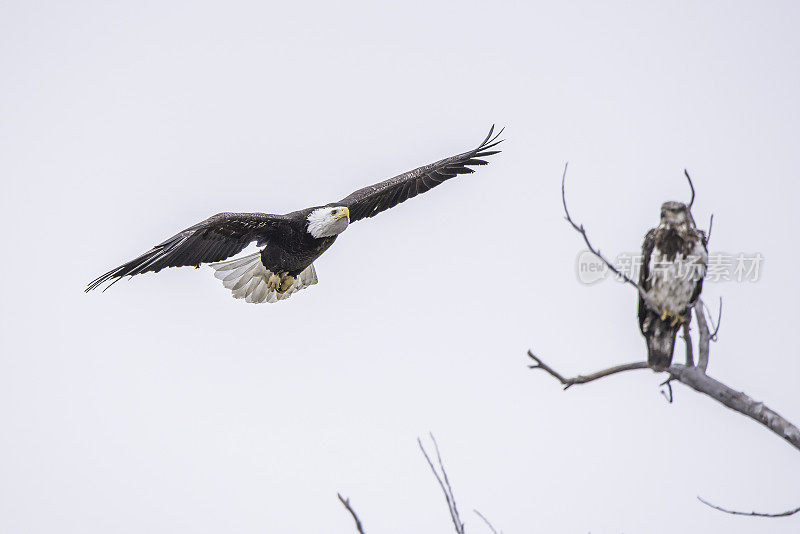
343	212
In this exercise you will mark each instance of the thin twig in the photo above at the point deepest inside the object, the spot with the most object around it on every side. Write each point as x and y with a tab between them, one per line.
346	503
710	226
713	335
445	485
581	230
691	185
669	388
494	531
752	514
581	379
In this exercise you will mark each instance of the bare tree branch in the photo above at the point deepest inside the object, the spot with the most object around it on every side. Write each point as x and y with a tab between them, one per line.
695	378
444	484
738	401
581	230
752	514
346	503
491	527
581	379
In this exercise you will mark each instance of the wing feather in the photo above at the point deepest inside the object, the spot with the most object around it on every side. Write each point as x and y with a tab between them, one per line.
373	199
644	273
215	239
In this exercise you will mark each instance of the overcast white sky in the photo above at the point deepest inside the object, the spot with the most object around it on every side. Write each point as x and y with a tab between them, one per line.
164	405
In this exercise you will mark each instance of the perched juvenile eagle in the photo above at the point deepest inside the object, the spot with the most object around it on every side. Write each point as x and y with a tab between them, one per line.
674	259
290	242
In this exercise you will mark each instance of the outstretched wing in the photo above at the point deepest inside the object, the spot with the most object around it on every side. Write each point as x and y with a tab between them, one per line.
215	239
373	199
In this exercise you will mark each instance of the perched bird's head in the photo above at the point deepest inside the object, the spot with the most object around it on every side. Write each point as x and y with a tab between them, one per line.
328	221
676	214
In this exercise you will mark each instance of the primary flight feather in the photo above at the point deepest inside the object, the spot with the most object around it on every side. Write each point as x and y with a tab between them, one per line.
289	243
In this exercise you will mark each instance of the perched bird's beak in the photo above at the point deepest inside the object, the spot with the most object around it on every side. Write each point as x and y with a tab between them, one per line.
344	212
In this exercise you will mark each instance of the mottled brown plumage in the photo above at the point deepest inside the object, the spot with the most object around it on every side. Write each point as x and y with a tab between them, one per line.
674	258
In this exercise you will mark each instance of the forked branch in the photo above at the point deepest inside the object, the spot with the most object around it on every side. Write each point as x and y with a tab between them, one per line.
583	379
696	379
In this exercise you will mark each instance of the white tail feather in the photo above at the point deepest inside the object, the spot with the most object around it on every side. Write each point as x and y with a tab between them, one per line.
247	279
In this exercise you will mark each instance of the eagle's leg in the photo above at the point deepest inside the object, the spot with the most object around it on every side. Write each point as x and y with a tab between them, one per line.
676	317
274	282
286	283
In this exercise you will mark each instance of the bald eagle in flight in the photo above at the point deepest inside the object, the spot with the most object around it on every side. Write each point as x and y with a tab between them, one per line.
674	260
290	243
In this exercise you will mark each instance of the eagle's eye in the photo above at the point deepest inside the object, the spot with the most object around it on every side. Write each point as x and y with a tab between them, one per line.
333	212
663	214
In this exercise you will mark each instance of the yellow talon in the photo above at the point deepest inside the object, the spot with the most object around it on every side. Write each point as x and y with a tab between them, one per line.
274	282
286	284
676	318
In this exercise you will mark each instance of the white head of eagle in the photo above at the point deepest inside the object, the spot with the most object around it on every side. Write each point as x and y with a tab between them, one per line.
328	221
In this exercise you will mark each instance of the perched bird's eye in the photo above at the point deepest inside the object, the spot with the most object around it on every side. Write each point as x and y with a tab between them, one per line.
663	214
333	212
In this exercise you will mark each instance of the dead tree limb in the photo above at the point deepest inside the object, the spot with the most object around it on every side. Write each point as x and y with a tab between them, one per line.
695	378
346	503
787	513
444	483
698	380
582	230
583	379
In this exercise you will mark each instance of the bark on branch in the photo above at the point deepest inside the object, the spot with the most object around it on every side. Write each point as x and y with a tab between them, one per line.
695	378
